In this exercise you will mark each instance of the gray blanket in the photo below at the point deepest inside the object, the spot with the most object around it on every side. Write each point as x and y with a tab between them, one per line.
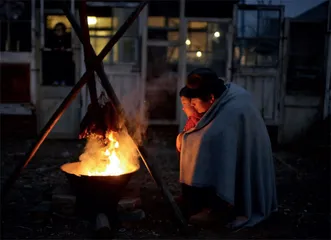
230	150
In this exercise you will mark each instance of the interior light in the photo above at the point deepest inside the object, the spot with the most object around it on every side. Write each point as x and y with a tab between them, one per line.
91	20
199	54
188	42
217	34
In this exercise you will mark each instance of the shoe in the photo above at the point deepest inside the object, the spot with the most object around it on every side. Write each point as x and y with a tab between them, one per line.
205	217
237	223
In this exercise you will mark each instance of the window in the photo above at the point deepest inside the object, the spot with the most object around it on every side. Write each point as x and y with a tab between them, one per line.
58	67
157	22
103	28
57	32
206	45
258	36
52	20
163	28
306	58
15	26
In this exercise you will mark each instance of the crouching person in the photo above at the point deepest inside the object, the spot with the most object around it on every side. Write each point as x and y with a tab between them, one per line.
226	163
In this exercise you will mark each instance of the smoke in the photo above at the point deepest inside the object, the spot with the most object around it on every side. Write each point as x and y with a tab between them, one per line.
135	111
162	81
117	155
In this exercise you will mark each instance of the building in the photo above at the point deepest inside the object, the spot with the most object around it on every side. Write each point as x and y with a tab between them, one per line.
305	72
147	68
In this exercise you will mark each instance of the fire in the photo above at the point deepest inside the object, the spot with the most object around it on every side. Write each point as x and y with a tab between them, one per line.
113	166
115	157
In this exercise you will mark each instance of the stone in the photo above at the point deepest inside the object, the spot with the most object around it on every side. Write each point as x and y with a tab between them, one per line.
129	204
102	227
132	216
64	204
41	212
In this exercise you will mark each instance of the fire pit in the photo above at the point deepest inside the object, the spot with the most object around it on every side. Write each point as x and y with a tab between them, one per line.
96	194
102	173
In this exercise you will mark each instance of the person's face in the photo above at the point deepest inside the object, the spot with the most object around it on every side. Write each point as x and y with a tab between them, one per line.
202	106
187	107
59	31
185	101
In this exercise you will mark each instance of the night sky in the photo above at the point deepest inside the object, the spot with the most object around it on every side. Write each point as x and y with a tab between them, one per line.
292	7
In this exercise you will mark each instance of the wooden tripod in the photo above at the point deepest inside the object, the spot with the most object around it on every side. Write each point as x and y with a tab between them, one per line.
94	63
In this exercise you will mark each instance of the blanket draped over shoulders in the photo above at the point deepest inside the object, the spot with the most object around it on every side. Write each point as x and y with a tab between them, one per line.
230	150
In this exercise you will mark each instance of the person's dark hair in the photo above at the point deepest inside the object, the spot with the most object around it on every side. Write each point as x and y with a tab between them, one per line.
203	82
62	25
185	92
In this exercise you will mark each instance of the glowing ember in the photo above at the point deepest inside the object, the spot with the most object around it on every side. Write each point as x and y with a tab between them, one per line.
114	158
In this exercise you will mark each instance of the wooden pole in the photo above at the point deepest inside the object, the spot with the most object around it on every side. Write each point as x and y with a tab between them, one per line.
95	61
120	111
87	51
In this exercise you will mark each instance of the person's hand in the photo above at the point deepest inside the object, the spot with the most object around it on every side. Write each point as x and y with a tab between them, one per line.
179	141
189	110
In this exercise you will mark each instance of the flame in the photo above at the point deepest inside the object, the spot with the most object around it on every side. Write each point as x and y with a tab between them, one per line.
114	166
115	157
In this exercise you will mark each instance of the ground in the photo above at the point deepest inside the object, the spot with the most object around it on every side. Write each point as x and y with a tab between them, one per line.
302	181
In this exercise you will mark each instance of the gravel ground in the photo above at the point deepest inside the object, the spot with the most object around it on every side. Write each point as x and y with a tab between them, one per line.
303	189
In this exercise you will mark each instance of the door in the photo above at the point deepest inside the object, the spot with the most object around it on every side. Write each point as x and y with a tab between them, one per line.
257	58
162	69
123	65
327	94
58	72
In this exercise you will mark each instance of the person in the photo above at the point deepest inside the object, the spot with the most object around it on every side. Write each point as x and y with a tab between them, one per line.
226	162
193	117
60	39
61	57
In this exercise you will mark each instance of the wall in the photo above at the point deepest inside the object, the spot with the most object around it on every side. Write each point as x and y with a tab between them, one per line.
304	78
299	114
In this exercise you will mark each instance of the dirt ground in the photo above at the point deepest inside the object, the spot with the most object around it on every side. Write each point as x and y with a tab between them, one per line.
303	191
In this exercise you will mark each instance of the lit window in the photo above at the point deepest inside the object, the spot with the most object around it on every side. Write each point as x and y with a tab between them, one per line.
173	22
99	22
197	25
198	41
100	33
52	20
156	21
